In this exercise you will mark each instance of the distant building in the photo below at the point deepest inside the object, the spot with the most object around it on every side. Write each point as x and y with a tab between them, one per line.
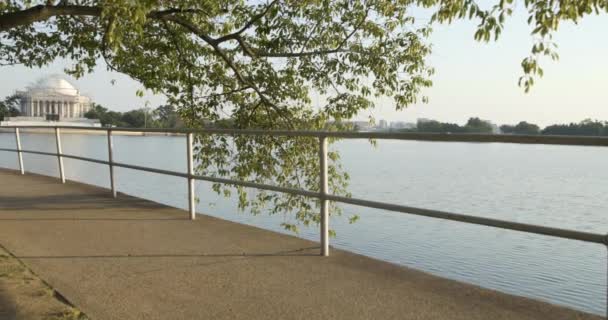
382	124
361	125
52	101
402	125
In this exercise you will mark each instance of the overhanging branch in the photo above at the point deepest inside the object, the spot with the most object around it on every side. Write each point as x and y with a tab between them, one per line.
44	12
38	13
254	19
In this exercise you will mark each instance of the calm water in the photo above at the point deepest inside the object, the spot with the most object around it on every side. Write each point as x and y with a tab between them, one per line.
549	185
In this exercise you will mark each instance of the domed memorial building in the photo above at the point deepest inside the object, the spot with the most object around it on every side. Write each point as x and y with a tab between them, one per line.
52	101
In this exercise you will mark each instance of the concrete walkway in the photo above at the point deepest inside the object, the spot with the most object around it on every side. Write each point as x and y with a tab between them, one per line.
134	259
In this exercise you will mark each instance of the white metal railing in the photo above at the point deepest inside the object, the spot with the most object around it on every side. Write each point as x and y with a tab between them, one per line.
323	194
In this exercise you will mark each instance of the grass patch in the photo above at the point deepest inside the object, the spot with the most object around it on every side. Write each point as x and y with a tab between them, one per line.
28	296
70	314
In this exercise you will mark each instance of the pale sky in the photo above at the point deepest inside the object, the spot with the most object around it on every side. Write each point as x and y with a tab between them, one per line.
472	79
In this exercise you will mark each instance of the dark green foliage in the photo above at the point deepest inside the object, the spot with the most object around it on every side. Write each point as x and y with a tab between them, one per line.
135	118
106	117
9	107
476	125
161	117
521	128
586	127
473	125
166	117
439	127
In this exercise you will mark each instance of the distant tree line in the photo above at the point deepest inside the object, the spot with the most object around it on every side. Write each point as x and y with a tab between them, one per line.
473	125
162	117
522	127
586	127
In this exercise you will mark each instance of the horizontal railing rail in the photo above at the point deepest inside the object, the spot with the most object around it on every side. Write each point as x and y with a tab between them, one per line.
503	224
416	136
323	194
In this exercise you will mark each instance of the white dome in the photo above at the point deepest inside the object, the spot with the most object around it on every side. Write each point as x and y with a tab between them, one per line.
56	84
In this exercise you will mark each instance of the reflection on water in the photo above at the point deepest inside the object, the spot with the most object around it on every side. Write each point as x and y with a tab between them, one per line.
549	185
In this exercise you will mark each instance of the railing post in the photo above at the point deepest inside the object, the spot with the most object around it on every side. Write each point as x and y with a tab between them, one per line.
19	153
606	246
323	196
59	152
191	204
111	164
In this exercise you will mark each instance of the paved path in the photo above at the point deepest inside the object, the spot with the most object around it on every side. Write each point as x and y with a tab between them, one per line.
134	259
